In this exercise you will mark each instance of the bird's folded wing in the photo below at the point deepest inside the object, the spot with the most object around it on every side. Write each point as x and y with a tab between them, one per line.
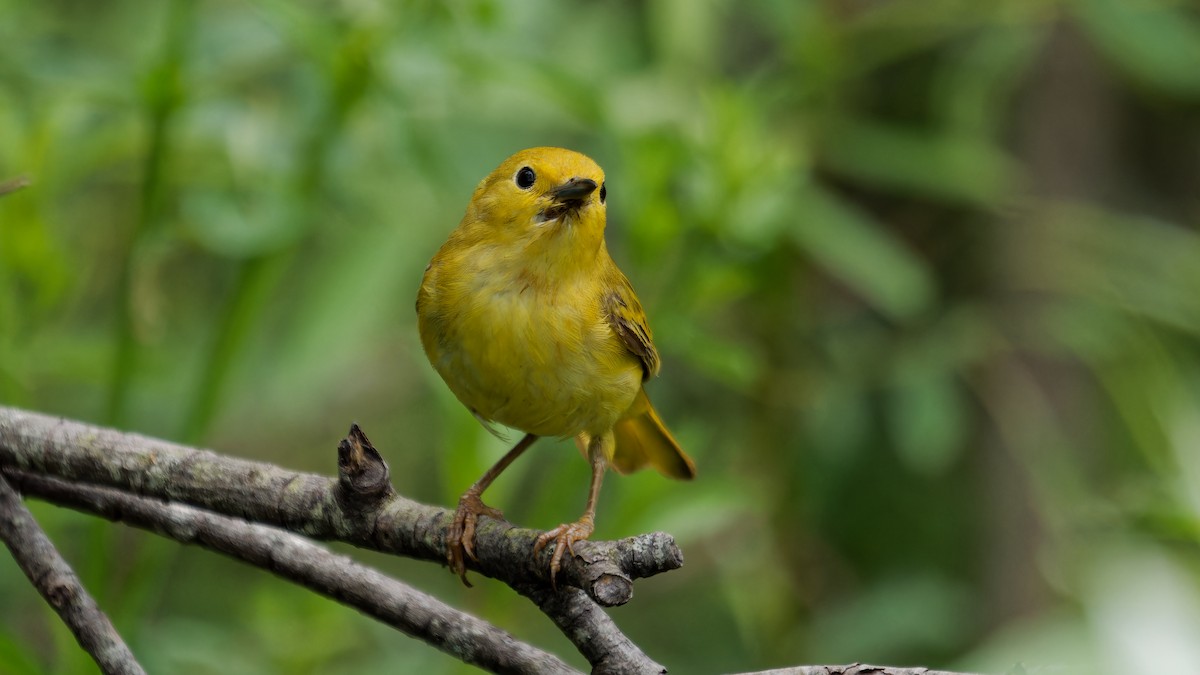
627	319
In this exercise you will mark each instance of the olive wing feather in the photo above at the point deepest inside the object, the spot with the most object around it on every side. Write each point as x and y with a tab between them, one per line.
627	319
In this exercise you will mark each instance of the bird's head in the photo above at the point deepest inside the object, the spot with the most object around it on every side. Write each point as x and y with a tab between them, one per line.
541	194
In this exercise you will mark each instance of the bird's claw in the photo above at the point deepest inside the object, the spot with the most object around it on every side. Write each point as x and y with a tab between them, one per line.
564	537
460	539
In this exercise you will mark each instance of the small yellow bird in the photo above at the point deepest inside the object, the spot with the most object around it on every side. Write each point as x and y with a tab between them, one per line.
530	323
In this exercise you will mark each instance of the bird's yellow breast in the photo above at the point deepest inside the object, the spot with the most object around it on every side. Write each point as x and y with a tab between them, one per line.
519	349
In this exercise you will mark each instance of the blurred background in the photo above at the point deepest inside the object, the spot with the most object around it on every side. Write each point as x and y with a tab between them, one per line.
925	276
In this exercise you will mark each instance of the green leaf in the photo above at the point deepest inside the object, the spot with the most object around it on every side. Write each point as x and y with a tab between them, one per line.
971	92
734	364
928	422
1156	43
954	167
1135	264
854	248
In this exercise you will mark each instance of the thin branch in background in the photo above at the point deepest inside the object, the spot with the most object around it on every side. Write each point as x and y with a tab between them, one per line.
852	669
13	184
317	506
296	559
59	585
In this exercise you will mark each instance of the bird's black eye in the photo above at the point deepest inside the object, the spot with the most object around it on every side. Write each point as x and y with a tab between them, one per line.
603	193
525	178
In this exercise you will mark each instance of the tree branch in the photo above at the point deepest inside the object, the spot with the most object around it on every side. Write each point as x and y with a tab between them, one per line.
318	506
852	669
361	508
58	584
591	630
294	558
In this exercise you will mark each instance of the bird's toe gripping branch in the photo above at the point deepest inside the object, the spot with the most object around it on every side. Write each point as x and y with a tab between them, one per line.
475	536
460	538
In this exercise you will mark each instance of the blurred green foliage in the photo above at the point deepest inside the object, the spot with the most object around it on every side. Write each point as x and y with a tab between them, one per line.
925	276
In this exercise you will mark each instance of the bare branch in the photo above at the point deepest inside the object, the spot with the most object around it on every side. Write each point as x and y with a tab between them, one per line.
359	507
294	558
58	584
591	630
316	506
852	669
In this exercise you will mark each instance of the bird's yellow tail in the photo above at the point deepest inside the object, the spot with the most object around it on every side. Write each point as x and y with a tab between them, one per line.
643	439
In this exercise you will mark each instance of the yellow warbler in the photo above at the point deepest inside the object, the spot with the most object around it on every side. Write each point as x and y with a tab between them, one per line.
530	323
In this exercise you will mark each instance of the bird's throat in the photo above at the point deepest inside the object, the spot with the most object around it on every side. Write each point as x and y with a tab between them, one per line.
567	210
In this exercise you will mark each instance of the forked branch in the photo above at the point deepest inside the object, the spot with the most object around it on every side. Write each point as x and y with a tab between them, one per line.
298	560
359	507
199	497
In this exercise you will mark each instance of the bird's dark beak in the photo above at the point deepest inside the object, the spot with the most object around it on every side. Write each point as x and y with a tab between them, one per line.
574	190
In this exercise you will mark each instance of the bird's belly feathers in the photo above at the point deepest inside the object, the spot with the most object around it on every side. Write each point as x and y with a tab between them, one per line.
530	360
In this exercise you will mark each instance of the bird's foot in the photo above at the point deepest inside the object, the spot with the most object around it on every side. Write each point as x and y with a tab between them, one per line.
564	537
460	539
